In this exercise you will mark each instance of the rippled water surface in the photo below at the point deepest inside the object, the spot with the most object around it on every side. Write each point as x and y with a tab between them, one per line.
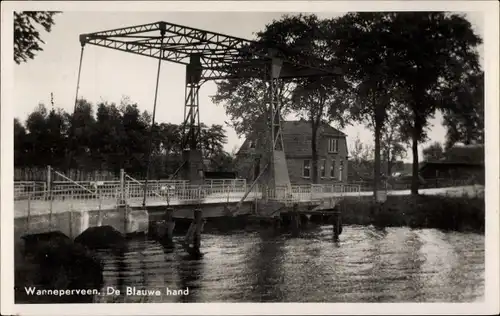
367	265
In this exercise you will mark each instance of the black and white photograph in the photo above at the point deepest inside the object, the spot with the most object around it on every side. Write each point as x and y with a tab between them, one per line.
255	152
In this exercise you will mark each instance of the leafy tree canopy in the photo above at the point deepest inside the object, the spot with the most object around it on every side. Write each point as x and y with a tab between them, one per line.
27	38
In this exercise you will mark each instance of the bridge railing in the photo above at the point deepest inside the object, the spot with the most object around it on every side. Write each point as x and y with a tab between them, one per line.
22	187
226	182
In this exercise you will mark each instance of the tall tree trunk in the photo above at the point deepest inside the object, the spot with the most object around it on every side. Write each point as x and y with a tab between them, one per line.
414	150
314	151
389	167
376	167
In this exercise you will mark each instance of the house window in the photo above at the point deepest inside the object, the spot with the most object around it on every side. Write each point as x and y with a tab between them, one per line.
251	144
332	169
323	168
333	145
306	170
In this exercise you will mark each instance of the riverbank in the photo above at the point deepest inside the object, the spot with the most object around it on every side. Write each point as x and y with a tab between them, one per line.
440	212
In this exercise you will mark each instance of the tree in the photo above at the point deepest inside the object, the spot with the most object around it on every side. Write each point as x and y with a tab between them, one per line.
82	126
20	143
392	142
361	159
107	138
317	100
463	110
320	100
115	137
431	51
212	140
361	43
245	102
27	39
433	152
37	137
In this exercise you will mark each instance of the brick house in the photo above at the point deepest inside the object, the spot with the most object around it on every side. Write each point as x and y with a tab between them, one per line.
332	154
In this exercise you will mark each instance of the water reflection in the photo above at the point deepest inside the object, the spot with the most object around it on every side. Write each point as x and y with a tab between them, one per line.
190	272
366	265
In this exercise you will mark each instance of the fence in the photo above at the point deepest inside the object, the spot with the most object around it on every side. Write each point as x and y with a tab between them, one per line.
40	175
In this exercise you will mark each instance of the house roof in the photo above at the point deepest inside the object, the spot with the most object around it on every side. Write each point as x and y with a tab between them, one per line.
292	132
303	127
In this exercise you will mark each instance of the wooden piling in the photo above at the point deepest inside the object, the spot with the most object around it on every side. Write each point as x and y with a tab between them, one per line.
198	224
337	224
295	220
168	239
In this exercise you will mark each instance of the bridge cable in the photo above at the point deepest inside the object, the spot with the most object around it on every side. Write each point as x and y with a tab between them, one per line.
150	146
72	130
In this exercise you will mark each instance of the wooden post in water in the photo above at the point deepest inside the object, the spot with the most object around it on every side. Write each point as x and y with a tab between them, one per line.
295	220
168	239
337	224
198	224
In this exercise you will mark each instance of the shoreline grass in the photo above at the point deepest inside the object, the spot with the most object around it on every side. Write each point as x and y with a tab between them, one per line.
461	214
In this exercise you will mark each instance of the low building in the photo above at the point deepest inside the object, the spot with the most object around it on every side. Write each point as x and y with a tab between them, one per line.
459	162
297	137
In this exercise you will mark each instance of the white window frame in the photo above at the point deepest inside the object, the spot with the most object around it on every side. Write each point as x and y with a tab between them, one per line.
333	145
332	169
306	167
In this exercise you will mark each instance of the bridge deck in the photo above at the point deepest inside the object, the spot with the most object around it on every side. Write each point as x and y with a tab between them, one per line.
39	207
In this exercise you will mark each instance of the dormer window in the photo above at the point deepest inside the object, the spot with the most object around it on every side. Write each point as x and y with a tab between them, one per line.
333	145
251	144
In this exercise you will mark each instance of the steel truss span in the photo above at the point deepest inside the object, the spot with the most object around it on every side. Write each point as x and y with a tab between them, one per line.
216	56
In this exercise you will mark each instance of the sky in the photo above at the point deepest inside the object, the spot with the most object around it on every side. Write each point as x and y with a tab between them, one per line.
109	75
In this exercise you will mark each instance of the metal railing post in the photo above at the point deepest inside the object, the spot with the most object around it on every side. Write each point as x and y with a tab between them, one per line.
28	217
122	187
50	212
49	180
70	215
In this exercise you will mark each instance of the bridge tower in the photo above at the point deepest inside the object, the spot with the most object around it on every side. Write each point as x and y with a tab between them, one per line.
192	168
277	171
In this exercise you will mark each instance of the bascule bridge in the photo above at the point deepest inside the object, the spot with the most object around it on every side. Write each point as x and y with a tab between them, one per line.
213	56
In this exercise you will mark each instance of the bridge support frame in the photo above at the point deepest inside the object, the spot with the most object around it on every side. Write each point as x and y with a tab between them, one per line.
278	172
192	155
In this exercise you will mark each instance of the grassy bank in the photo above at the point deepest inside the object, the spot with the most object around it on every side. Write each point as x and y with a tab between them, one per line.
440	212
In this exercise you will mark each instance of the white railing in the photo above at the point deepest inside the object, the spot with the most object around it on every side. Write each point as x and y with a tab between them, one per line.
226	182
109	193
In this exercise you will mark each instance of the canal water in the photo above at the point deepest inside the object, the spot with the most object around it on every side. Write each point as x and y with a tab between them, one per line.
366	265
